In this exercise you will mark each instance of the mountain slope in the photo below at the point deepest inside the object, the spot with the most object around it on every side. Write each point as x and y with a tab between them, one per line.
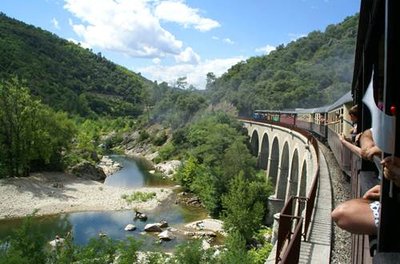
66	76
309	72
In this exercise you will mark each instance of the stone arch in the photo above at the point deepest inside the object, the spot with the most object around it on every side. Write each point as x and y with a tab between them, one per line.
274	162
264	152
284	173
294	175
303	187
254	143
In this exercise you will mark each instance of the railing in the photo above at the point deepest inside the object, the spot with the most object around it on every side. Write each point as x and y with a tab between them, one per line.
288	244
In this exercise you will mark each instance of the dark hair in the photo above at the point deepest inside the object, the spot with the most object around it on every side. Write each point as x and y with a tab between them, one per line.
354	111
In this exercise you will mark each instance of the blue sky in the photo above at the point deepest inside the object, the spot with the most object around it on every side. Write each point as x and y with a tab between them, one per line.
168	39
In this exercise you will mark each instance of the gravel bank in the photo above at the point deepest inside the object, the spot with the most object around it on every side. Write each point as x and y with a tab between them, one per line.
56	192
341	240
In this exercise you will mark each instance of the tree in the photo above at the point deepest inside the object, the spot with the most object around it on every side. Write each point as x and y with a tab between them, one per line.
30	132
243	211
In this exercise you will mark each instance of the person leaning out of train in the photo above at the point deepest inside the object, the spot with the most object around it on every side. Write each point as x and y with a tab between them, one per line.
361	215
353	113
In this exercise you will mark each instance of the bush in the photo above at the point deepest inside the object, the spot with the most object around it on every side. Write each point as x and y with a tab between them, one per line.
160	138
138	196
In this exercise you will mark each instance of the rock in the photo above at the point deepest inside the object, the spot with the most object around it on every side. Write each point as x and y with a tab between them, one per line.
58	241
109	166
163	224
140	216
205	245
168	168
130	227
88	171
152	228
166	235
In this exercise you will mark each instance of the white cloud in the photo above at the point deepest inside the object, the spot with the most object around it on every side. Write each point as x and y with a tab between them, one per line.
179	12
266	49
133	27
229	41
55	23
188	56
156	60
123	26
196	74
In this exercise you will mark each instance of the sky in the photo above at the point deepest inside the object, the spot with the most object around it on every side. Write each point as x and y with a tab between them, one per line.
164	40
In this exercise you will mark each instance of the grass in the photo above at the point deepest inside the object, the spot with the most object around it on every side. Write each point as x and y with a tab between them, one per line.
138	196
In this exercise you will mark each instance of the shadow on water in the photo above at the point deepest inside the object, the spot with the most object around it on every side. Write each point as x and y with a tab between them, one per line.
134	173
87	225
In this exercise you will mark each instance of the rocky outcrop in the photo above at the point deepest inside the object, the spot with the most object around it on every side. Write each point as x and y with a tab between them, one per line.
168	168
88	171
109	166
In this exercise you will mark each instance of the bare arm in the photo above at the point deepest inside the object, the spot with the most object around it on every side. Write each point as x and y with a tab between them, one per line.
368	147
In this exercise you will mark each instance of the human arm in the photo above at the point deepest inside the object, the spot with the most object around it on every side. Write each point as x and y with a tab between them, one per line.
368	147
350	146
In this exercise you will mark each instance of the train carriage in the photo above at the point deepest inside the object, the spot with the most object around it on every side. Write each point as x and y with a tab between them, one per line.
377	66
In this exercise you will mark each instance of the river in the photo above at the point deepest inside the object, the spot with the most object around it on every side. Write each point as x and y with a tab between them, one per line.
86	225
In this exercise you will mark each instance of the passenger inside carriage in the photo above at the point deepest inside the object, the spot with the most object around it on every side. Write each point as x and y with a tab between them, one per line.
361	215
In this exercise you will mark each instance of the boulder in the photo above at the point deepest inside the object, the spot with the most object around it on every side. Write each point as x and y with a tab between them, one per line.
166	235
152	228
130	227
88	171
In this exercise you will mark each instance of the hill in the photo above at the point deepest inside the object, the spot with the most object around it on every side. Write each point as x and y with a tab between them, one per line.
312	71
66	76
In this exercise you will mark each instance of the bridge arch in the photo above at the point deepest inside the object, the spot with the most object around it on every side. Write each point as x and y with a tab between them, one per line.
283	173
274	162
294	175
264	152
254	143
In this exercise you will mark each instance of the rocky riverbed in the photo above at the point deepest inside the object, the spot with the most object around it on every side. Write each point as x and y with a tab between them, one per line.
56	192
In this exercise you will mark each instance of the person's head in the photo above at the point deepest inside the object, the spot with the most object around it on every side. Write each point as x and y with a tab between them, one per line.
353	112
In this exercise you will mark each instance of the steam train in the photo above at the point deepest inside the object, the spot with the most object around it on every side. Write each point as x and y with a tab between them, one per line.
376	66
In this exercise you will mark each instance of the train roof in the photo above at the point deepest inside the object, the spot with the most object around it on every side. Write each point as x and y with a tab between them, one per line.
342	100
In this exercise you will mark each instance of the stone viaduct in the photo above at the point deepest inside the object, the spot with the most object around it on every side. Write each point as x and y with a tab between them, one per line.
288	158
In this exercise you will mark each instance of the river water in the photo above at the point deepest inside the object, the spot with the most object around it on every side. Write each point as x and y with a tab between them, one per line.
86	225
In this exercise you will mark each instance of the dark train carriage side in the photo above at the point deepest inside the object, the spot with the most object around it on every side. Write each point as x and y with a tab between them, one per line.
377	63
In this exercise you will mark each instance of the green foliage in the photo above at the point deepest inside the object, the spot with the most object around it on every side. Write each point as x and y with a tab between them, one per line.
259	255
31	134
192	252
25	246
244	209
66	76
160	138
138	196
236	252
309	72
143	135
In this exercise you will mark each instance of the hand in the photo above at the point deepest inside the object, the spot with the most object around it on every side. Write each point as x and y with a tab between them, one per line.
369	152
373	194
391	169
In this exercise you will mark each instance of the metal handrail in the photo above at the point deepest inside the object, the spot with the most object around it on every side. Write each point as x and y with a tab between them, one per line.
286	218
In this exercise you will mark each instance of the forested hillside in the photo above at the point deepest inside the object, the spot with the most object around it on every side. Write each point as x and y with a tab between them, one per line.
309	72
66	76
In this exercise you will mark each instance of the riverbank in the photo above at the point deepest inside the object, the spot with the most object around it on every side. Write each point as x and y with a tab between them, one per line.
57	192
